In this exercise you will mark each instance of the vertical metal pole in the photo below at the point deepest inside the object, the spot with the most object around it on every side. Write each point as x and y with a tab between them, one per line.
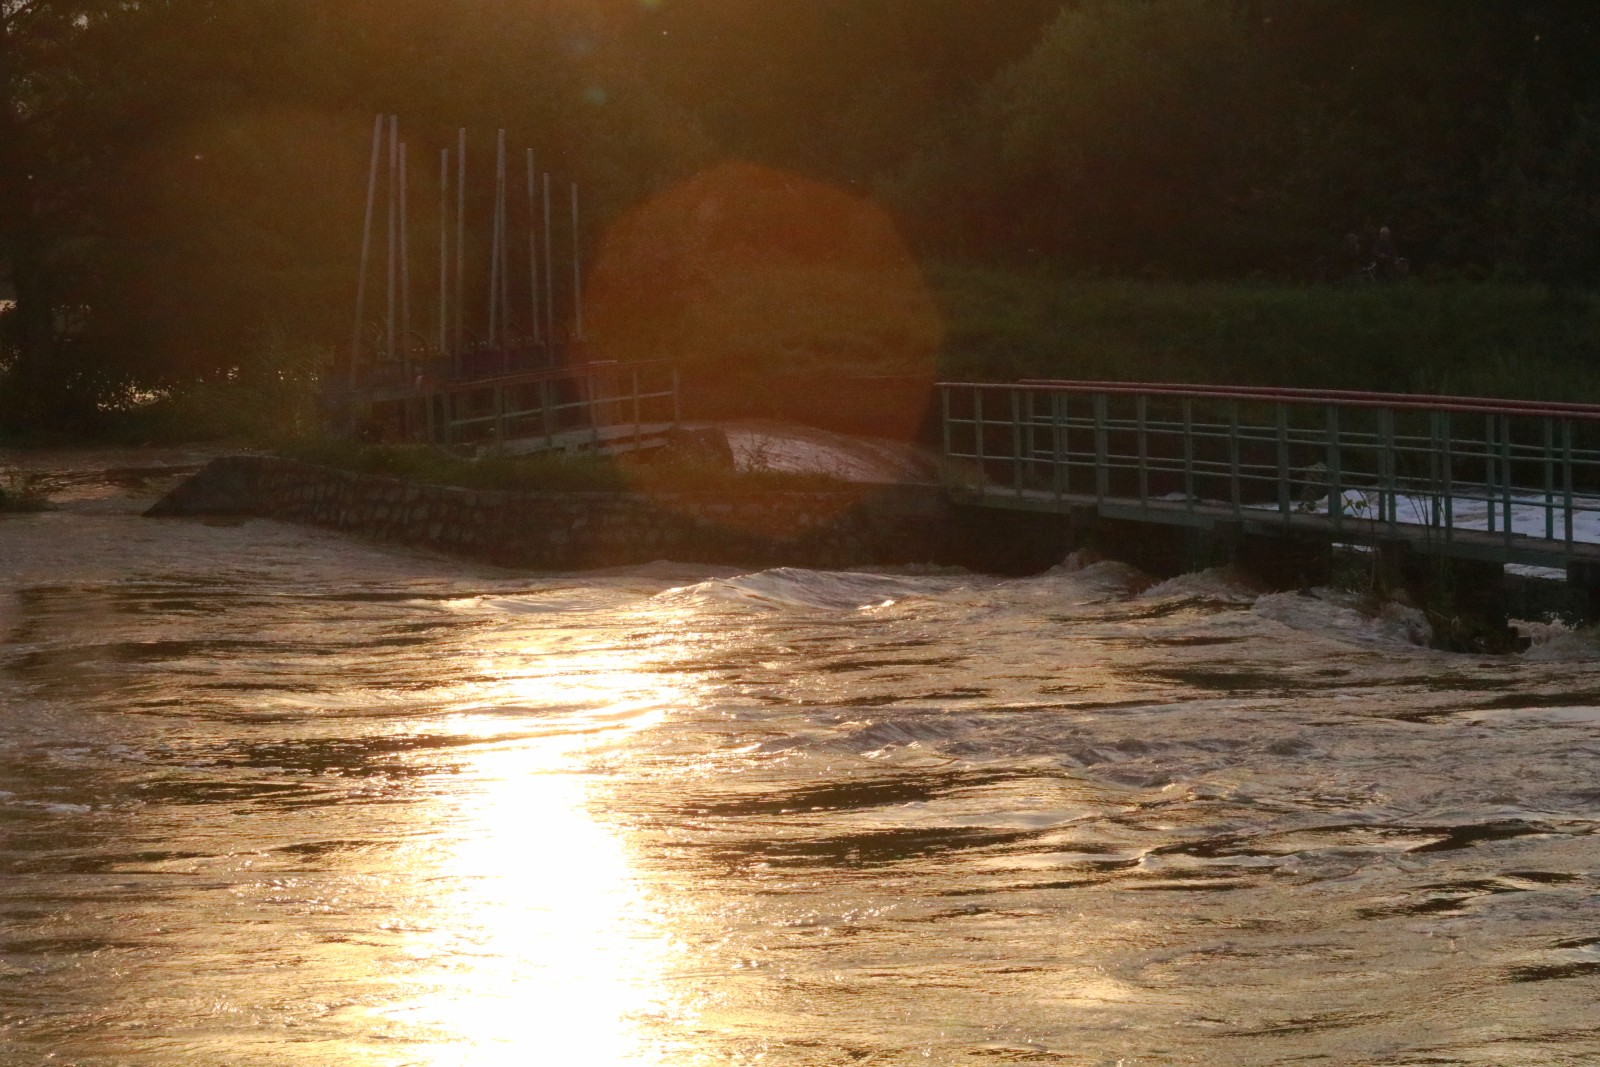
577	270
405	269
533	257
366	247
1058	445
549	275
394	167
494	239
505	259
1142	419
1102	472
1434	459
1335	473
444	252
1549	477
977	422
1448	461
1283	459
1188	454
1566	479
1016	442
1488	471
1505	474
1235	489
461	245
1387	465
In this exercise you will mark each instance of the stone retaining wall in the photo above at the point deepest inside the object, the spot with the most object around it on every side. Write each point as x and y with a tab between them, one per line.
856	526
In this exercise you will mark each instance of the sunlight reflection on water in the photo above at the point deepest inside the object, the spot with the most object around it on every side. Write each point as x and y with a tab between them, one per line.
544	937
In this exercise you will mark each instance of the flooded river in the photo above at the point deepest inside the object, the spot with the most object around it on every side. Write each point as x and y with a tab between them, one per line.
273	796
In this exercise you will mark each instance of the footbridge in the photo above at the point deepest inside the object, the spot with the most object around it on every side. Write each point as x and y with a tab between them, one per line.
1482	481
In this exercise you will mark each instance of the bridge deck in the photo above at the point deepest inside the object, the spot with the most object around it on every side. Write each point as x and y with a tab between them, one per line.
1461	543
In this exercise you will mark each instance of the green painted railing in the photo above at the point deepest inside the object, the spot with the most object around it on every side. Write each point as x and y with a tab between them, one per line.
1493	479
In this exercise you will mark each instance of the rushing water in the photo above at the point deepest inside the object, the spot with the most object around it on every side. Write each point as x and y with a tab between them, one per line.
271	796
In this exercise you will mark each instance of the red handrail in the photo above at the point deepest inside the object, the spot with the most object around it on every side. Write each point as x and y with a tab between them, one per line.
1341	397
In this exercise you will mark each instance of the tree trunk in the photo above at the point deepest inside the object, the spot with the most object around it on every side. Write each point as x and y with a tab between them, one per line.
22	242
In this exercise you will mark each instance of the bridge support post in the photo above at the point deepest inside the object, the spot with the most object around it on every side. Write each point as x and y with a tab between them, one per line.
1583	586
1284	562
1465	599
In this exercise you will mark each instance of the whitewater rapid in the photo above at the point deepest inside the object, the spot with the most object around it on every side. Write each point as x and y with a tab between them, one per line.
271	796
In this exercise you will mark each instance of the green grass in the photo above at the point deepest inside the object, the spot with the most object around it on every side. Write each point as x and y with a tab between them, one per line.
1446	337
551	472
985	323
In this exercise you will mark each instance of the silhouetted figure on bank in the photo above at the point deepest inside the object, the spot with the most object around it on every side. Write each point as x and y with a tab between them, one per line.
1387	263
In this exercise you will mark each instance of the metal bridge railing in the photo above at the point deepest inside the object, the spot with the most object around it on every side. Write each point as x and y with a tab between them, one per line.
1502	479
592	405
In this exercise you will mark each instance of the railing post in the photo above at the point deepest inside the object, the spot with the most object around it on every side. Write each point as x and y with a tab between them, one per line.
1235	490
1142	418
1335	473
1282	412
1505	474
1548	425
1566	479
1061	473
1102	472
977	425
1188	454
1387	463
1448	463
1016	442
1489	502
1433	470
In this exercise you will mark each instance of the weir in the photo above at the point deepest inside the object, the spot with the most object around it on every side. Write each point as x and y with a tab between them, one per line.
1281	475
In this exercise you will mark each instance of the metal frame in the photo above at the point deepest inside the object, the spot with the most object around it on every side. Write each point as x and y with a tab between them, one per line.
1485	479
598	405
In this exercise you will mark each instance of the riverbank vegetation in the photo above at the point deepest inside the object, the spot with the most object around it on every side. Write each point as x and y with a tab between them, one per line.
1449	336
1135	188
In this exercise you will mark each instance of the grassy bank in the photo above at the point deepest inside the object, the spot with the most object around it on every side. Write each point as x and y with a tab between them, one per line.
1447	337
1485	339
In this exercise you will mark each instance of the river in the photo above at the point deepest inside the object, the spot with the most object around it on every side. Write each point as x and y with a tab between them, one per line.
273	796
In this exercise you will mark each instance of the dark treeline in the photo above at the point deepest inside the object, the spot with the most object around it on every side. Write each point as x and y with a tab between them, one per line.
181	181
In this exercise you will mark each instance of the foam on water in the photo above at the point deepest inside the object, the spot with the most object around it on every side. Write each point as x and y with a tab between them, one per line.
273	796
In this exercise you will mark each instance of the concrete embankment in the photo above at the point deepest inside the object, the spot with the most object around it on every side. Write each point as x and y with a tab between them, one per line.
855	525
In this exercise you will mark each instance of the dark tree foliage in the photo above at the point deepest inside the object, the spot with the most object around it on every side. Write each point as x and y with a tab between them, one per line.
181	179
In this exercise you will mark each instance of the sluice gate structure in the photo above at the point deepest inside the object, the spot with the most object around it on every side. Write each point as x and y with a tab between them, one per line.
1468	485
520	377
